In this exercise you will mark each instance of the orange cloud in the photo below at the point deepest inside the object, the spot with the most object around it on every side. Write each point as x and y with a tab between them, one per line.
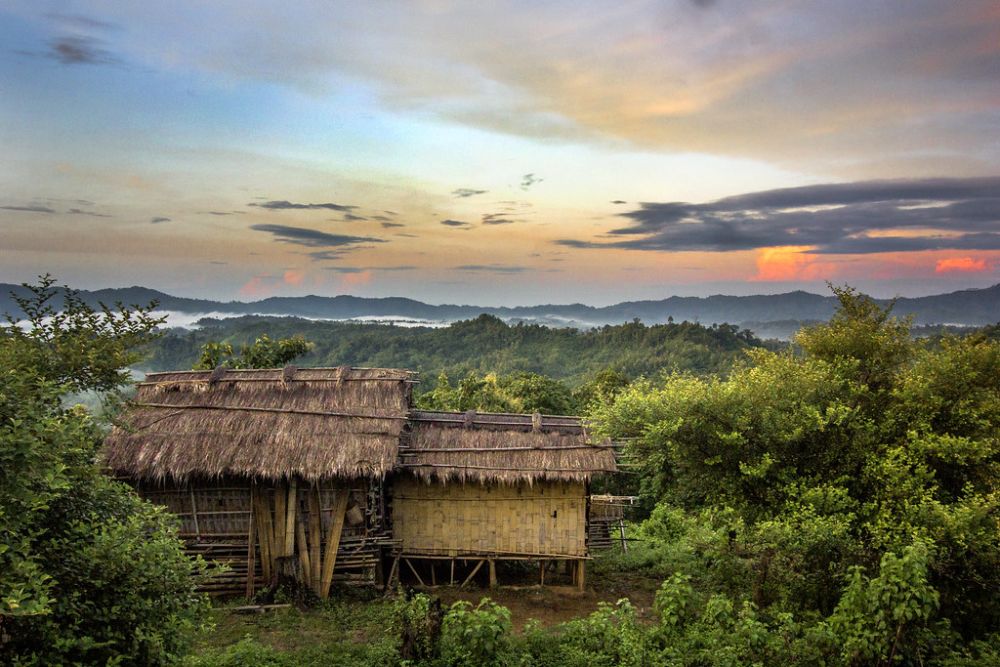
962	264
294	277
790	263
355	279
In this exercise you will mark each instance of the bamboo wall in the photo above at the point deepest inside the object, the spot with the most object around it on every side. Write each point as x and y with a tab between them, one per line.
455	519
220	519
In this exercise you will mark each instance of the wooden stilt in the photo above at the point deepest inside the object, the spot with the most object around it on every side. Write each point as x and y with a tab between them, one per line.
473	573
315	538
251	544
541	572
393	572
303	549
493	573
621	531
414	571
451	581
433	575
581	577
280	501
291	506
333	542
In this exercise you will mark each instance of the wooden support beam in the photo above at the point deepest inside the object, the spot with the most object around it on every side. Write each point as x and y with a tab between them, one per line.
473	573
451	581
393	572
303	549
315	538
414	571
280	501
291	506
251	546
541	572
581	576
333	541
493	573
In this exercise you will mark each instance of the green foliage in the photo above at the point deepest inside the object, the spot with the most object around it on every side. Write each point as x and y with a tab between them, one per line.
777	487
483	345
262	353
520	393
476	636
90	574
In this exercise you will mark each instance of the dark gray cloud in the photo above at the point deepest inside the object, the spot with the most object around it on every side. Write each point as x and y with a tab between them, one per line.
216	212
282	205
490	268
312	238
350	217
467	192
528	180
28	209
618	201
497	219
456	223
158	219
325	255
843	218
362	269
80	50
390	225
80	211
382	218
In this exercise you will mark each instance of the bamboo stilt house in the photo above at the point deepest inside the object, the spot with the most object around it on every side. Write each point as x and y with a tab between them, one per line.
270	470
489	487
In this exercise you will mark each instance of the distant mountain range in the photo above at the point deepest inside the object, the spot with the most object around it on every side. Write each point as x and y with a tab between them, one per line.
973	307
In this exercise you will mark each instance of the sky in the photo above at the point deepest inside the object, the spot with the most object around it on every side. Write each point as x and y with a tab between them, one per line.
501	153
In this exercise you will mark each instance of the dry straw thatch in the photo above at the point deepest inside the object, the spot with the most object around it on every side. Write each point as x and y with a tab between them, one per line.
311	423
502	448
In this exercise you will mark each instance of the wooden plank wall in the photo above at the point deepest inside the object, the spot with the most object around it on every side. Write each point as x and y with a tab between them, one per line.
543	519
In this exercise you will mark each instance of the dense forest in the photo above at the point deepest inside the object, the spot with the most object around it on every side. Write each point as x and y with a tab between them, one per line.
482	345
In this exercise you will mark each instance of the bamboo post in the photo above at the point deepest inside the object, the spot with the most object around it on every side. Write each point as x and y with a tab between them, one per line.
280	501
333	542
263	511
251	547
451	581
303	548
581	575
414	571
315	537
493	573
194	513
290	507
472	574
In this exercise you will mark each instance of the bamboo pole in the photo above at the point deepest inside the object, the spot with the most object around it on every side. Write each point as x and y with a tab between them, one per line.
300	531
493	573
414	571
473	573
251	547
315	537
280	501
290	508
333	542
263	512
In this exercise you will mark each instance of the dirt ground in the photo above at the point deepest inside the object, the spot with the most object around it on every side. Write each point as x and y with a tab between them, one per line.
553	605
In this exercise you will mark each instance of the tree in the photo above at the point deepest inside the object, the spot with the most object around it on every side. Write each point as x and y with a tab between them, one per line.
91	573
262	353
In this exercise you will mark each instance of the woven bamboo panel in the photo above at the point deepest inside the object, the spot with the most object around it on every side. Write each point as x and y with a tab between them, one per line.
546	518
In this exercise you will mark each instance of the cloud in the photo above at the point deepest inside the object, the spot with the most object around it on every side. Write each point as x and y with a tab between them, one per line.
312	238
490	268
217	262
390	225
497	219
618	201
382	218
282	205
350	217
216	212
362	269
78	211
842	218
80	50
158	219
325	255
456	223
961	265
467	192
528	180
28	209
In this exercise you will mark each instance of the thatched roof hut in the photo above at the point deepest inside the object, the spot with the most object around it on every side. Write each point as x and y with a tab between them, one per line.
314	423
504	448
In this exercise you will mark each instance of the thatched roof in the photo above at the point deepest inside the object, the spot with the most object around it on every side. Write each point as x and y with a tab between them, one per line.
502	448
312	423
